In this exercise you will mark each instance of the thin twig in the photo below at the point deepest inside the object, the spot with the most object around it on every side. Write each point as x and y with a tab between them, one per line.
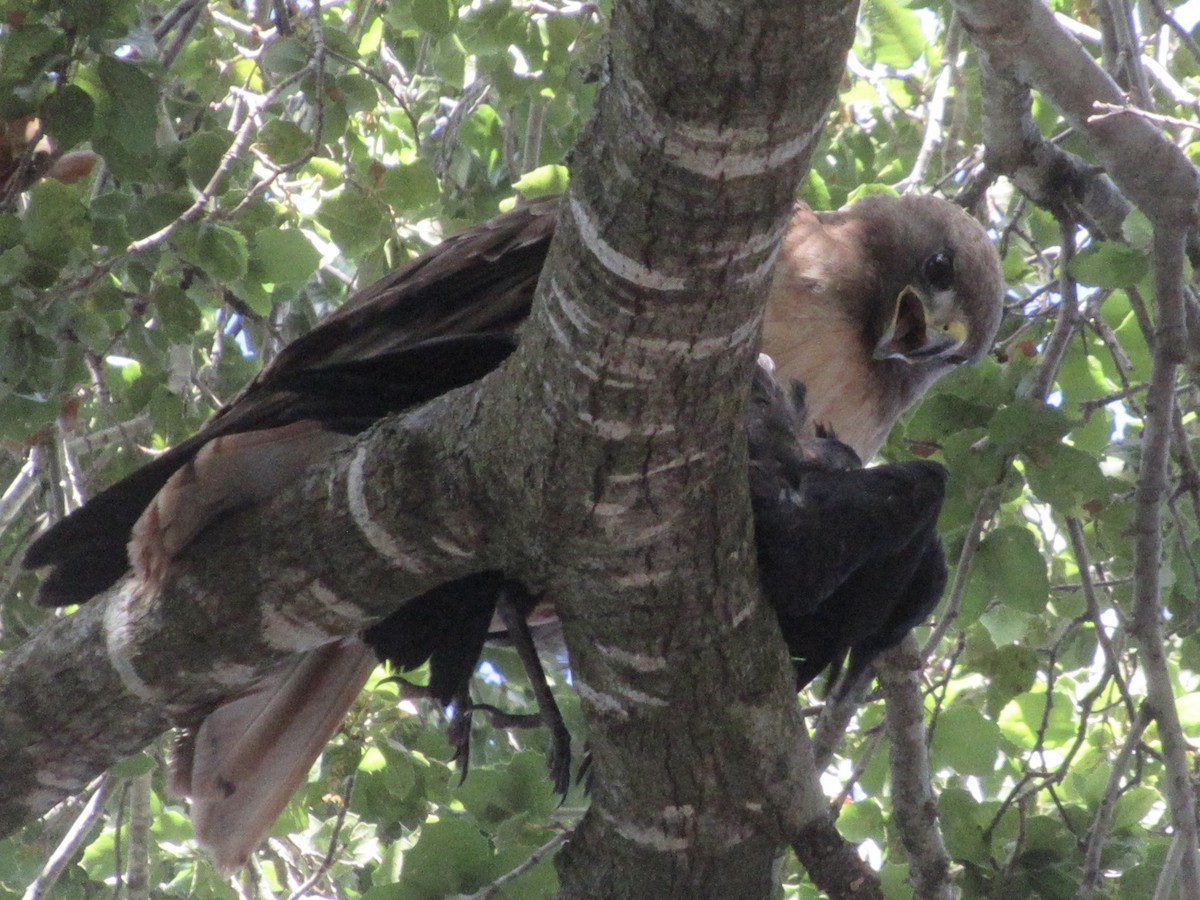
1152	488
331	852
988	504
1065	325
494	889
240	141
1091	879
1185	37
1108	110
74	840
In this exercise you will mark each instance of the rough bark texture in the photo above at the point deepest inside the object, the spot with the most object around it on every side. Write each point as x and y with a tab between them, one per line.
100	684
604	462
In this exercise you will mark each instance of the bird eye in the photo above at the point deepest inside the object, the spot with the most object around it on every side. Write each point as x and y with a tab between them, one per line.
939	271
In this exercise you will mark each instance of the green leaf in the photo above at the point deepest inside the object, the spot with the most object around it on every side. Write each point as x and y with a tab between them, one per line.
1028	426
354	221
1056	725
1140	882
204	151
177	312
133	766
411	186
815	191
896	36
544	181
56	221
1010	671
870	189
285	57
860	821
1010	568
1067	477
1133	806
99	18
67	115
357	94
283	256
520	787
217	249
1138	229
963	740
283	142
372	38
133	100
450	857
1108	264
958	813
22	416
434	16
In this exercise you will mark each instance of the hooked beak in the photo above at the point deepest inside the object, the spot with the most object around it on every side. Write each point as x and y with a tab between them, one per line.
918	332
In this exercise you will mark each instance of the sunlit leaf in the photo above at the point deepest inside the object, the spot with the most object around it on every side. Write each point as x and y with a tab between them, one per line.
283	255
965	741
1109	264
896	36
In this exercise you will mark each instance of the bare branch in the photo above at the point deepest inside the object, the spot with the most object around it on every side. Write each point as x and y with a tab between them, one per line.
914	808
1067	322
1152	489
137	870
1022	40
76	838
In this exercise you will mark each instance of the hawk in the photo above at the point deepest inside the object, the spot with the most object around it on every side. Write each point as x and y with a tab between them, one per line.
868	306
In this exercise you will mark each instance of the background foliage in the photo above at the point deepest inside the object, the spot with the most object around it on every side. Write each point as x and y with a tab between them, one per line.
185	188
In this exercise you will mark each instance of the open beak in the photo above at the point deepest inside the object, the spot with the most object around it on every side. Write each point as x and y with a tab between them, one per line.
918	332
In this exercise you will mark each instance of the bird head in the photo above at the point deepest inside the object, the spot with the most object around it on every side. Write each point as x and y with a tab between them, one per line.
938	287
873	303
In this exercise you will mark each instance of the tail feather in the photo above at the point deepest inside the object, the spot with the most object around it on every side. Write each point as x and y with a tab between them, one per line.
251	753
229	473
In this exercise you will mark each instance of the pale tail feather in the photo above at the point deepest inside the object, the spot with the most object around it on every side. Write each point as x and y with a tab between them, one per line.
252	753
228	474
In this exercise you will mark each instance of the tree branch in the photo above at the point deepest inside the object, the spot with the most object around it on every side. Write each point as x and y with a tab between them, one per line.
1146	628
97	686
1021	43
914	808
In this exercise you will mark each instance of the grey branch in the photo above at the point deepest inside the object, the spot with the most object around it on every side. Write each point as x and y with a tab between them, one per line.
1020	42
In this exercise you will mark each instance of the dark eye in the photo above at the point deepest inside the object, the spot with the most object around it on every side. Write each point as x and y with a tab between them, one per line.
939	271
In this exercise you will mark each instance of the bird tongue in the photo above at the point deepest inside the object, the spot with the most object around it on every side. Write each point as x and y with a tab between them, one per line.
907	336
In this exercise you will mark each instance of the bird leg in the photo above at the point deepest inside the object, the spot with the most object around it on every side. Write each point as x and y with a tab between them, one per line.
459	734
558	760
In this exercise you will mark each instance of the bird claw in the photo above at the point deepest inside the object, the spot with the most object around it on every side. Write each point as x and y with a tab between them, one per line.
558	761
459	736
558	757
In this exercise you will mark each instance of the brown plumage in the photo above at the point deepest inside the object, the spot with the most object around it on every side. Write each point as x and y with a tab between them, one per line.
873	303
868	307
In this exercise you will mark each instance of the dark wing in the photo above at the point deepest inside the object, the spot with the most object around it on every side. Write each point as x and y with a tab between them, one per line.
880	561
441	322
848	557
